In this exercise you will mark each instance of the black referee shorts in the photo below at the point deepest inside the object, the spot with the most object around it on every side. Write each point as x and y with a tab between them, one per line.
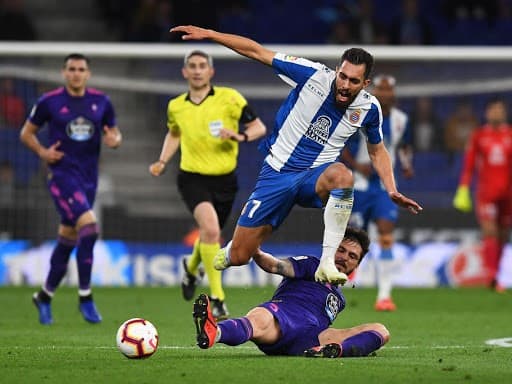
218	190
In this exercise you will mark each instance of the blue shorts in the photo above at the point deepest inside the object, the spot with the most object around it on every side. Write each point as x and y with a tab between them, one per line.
299	330
71	198
276	193
370	206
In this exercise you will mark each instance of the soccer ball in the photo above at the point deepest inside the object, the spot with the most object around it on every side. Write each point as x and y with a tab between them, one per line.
137	338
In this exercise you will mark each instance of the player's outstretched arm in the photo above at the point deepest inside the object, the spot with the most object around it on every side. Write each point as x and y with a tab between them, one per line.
242	45
272	264
381	161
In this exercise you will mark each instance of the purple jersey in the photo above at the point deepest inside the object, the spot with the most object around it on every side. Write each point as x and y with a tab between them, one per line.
303	308
77	122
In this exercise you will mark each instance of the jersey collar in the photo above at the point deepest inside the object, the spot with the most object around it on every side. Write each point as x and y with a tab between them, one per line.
210	93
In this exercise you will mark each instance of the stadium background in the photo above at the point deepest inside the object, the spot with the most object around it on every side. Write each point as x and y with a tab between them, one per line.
442	59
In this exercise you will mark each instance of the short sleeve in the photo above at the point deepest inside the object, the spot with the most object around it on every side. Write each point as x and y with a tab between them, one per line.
372	125
40	113
294	70
109	117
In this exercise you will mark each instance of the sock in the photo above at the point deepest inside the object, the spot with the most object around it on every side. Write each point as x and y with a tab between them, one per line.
385	269
336	214
84	298
44	296
361	344
500	256
491	253
87	236
227	255
208	252
195	259
235	331
58	264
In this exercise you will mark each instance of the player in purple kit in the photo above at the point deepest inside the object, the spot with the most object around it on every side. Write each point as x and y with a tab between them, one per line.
78	119
296	321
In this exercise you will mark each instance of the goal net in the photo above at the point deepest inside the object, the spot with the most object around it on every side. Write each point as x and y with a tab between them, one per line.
140	79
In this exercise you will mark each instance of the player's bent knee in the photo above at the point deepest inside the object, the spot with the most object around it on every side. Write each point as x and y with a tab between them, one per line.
338	176
382	330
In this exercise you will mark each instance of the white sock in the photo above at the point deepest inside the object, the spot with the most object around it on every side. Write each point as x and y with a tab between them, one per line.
336	214
49	293
385	270
84	292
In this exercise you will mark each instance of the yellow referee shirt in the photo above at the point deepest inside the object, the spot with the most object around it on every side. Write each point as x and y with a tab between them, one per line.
202	150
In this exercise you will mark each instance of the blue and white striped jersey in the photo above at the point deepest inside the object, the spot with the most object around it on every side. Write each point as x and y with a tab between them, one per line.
310	129
396	131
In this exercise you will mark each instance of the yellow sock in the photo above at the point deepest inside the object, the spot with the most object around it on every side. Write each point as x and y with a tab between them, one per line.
208	252
195	259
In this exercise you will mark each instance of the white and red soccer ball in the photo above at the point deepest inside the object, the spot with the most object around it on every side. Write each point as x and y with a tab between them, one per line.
137	338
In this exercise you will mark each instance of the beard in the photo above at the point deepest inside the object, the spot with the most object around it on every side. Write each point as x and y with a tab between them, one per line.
344	104
345	93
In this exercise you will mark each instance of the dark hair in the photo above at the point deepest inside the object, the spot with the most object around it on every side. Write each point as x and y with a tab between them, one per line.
495	100
359	236
359	56
76	56
197	52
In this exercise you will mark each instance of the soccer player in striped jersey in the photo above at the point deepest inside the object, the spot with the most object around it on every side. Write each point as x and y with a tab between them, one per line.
324	108
78	119
371	201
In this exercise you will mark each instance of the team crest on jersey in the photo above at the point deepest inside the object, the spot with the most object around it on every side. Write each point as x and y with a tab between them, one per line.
80	129
331	306
319	130
355	116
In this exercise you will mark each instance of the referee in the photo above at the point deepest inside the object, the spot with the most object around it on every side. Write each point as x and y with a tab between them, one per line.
204	124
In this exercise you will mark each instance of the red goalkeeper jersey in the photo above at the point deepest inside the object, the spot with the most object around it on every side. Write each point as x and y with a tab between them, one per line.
489	153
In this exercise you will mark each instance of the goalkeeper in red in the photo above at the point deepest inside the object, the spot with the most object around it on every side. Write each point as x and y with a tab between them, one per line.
489	156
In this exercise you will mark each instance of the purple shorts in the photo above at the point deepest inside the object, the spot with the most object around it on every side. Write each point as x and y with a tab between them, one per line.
72	199
299	329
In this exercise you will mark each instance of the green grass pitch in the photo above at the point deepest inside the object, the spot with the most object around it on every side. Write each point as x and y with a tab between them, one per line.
437	336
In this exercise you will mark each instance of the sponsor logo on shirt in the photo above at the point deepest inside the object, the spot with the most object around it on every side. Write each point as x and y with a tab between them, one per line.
318	131
80	129
315	90
331	306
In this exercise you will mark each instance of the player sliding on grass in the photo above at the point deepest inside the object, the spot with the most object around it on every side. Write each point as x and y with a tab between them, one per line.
324	108
296	321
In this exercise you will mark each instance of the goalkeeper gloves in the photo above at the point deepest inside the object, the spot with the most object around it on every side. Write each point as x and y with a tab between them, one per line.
462	199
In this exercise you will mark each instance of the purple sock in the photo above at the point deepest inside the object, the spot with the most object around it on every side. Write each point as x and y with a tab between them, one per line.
87	236
59	263
361	344
235	331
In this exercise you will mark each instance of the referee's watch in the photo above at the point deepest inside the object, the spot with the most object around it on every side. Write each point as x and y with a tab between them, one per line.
246	138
